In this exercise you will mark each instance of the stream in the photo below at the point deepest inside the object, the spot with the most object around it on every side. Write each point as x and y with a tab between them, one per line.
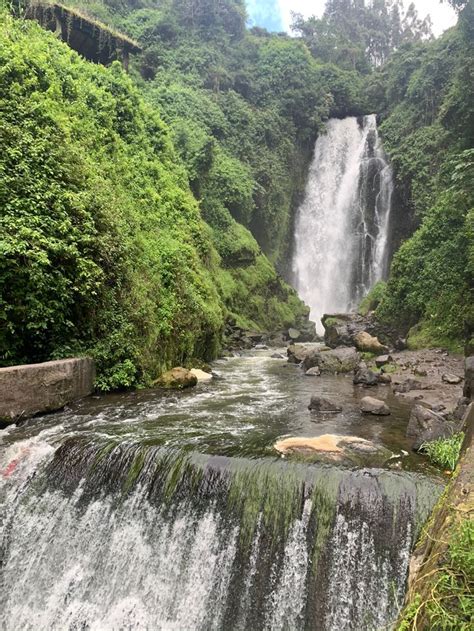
172	511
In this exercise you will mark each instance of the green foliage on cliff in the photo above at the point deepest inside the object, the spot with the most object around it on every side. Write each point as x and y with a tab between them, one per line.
428	131
244	108
103	246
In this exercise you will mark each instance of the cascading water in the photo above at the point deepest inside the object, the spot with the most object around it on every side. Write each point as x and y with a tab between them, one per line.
342	226
152	512
108	536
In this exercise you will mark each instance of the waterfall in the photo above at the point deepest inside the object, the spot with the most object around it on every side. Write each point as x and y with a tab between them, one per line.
104	535
341	227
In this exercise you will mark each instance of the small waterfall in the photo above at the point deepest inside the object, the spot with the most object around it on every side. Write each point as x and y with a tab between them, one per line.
103	535
341	227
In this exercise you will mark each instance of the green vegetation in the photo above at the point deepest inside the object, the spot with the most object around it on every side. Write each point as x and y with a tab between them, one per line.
450	605
104	250
103	247
444	452
427	103
373	298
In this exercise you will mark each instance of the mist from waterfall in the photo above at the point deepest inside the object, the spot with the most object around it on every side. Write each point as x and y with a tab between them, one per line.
342	225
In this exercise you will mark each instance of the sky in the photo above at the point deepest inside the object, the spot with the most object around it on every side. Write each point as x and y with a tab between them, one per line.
275	15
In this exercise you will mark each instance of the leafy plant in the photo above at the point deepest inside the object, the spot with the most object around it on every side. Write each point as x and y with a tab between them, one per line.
450	604
444	451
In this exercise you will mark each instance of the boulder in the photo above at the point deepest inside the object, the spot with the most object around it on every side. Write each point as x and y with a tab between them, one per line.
313	372
370	405
261	347
381	360
294	334
384	379
320	404
400	344
277	356
461	408
338	360
177	378
338	330
369	344
451	379
201	375
332	447
426	425
411	384
297	353
365	377
469	377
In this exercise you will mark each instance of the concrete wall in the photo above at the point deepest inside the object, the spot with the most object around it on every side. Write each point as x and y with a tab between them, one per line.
33	388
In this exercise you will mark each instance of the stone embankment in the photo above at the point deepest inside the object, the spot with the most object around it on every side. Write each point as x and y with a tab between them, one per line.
36	388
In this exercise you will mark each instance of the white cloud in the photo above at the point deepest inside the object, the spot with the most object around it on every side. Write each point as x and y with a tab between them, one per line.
442	15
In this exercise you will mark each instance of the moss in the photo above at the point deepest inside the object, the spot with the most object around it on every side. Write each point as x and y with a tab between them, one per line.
373	298
331	322
427	335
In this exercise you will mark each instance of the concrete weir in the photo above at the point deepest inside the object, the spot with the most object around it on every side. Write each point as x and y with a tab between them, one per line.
29	389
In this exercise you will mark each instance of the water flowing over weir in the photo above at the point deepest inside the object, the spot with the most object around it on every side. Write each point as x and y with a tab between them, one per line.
126	536
341	228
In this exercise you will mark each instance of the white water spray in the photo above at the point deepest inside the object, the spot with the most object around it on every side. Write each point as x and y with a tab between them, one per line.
342	225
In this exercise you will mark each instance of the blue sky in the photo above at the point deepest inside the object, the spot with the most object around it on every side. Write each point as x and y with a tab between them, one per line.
275	15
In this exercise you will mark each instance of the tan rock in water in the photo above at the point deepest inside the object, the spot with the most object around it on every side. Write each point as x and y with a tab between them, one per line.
334	448
301	444
333	443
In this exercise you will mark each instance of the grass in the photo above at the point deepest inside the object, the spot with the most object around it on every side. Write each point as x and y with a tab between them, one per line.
449	605
444	452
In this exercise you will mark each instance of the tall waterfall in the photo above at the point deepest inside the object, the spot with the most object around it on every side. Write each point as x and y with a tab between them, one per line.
115	536
341	227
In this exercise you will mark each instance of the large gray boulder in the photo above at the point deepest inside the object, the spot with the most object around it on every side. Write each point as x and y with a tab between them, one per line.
338	360
320	404
365	377
426	425
340	329
370	405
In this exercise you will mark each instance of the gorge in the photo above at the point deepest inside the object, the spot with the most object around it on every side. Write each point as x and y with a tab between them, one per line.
173	221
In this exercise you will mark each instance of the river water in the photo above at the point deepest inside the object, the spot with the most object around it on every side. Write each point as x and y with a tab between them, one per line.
164	511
